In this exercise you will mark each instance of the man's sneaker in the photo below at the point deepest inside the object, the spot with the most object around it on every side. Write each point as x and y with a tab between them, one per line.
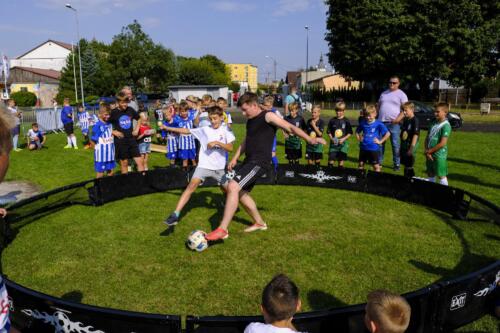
68	147
172	220
255	227
217	234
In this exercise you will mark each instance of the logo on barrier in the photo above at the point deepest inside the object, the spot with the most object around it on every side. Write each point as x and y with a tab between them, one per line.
61	321
11	304
458	301
490	288
352	179
320	176
290	174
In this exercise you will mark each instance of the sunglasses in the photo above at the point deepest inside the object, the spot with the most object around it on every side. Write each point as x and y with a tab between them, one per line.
391	82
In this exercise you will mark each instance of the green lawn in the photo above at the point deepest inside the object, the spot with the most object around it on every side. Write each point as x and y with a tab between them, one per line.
117	253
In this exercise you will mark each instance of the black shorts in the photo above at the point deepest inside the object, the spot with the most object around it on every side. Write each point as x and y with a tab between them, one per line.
314	156
293	154
126	148
368	156
407	161
68	128
337	155
247	174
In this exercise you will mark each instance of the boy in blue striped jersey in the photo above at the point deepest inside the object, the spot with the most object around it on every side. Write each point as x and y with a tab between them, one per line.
187	147
103	141
84	120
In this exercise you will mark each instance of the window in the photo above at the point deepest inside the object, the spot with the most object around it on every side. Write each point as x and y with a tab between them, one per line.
24	89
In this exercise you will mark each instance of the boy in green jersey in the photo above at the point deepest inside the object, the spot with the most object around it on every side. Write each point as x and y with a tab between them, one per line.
436	148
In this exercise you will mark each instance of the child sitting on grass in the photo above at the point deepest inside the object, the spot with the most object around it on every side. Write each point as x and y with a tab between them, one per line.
280	302
371	134
103	141
386	312
436	145
36	137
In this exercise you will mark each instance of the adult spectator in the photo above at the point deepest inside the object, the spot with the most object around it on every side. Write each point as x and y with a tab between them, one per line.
132	100
293	97
16	130
390	113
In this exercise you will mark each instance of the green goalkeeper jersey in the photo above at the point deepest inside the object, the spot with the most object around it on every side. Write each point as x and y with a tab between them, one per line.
436	132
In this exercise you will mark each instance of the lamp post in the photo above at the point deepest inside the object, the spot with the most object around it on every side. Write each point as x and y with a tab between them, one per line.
274	64
307	57
79	55
74	72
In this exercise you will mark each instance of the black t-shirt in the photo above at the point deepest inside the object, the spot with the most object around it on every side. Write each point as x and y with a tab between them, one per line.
320	125
409	128
259	140
339	124
297	121
122	121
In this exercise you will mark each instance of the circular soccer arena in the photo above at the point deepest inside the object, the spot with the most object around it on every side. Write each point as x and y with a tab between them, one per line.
438	306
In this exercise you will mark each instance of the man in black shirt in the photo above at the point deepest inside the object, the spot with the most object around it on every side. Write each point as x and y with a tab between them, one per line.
257	146
126	146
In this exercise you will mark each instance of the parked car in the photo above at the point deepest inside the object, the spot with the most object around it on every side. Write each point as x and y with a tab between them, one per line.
425	114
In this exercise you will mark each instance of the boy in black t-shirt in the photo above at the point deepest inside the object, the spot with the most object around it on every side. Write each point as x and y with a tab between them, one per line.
293	144
126	146
410	131
315	127
339	130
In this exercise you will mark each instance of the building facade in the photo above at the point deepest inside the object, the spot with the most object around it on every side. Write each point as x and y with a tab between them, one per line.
245	74
48	55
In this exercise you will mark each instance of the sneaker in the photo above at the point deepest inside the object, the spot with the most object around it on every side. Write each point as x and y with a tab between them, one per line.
86	147
172	220
76	147
255	227
17	149
396	168
217	234
68	147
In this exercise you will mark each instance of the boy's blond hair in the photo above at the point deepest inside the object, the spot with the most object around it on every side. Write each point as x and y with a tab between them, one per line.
340	106
269	100
104	108
183	106
408	105
388	311
316	106
215	110
370	108
293	107
206	99
442	105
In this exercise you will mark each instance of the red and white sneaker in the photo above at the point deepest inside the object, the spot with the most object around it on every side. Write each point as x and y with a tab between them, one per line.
217	234
255	227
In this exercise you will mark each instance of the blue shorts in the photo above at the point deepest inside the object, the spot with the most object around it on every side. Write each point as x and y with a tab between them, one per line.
85	131
172	155
186	154
145	147
104	166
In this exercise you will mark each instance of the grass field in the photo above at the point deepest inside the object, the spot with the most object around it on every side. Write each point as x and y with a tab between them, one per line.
335	255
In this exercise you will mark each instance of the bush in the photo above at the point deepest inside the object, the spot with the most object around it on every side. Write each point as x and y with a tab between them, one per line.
24	98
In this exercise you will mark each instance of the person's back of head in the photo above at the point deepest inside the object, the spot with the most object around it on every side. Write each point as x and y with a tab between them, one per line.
280	299
387	312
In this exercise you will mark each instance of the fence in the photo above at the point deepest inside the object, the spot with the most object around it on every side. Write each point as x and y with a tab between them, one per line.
439	307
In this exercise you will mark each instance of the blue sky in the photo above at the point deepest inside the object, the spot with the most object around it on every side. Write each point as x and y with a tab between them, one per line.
234	30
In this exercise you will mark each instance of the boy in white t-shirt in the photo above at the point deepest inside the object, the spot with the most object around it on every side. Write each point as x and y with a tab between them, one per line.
215	140
280	302
36	137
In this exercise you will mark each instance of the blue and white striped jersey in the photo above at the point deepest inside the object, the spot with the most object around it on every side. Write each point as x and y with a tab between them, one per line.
172	138
83	119
186	141
104	143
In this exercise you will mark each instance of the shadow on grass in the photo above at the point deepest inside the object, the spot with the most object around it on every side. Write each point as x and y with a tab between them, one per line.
319	300
469	261
475	163
472	180
73	296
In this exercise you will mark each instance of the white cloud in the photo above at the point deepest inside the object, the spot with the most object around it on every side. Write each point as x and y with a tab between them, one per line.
231	6
95	6
286	7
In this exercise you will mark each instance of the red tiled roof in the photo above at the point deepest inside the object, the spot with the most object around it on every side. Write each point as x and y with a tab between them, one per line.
50	73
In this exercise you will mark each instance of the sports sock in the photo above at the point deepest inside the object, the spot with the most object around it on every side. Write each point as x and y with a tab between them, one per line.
73	140
443	181
15	138
432	179
177	213
275	163
69	140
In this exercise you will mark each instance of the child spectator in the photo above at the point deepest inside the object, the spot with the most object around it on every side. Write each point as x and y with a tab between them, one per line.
160	135
84	120
222	103
339	130
215	140
67	120
125	144
436	149
371	134
171	138
201	119
103	142
268	106
187	148
315	127
386	312
280	302
293	144
16	130
36	137
144	133
410	132
193	105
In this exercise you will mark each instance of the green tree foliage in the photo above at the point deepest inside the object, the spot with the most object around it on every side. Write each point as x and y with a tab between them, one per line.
207	70
417	39
24	98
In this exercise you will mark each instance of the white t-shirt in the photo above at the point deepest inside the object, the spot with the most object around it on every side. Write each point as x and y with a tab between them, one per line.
13	110
204	120
390	103
215	158
266	328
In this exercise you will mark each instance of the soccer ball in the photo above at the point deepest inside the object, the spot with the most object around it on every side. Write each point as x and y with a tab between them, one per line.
196	241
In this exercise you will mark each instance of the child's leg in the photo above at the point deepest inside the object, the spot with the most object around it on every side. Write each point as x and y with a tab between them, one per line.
317	162
186	195
15	139
124	166
361	165
184	164
68	139
376	167
443	180
193	162
341	163
73	140
99	174
31	147
138	162
145	158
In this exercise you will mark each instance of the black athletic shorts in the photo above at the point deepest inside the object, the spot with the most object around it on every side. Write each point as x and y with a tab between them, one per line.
293	154
247	174
407	161
337	156
68	128
126	148
368	156
314	156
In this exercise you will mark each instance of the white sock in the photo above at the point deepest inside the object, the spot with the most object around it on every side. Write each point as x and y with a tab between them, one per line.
431	179
443	181
14	141
73	140
69	140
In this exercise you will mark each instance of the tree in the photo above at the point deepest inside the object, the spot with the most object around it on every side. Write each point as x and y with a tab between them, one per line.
419	40
207	70
24	98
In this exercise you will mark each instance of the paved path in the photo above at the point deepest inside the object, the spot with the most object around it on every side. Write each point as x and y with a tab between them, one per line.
13	191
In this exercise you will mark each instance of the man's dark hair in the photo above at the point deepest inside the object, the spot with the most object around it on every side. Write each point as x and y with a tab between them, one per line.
280	298
122	97
248	98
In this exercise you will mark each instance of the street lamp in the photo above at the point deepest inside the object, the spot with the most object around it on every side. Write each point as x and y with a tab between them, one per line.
79	55
274	63
307	56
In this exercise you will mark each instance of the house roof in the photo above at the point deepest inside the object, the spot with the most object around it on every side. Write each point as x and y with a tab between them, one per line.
62	44
323	77
50	73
